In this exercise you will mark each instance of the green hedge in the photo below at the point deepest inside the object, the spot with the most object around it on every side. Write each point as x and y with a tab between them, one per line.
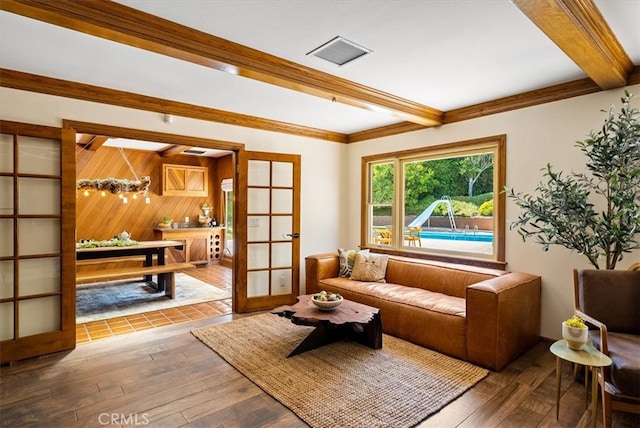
463	206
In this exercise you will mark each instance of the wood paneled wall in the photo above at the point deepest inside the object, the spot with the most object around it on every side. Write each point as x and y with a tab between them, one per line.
101	217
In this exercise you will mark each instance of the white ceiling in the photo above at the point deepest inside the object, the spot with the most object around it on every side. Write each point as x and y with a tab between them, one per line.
439	53
127	143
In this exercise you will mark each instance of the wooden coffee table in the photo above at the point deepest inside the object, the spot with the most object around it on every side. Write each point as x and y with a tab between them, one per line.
354	320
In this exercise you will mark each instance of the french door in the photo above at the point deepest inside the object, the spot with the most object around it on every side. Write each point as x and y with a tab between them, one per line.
37	245
271	254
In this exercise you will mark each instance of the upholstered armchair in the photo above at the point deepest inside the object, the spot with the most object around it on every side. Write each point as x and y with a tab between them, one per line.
609	300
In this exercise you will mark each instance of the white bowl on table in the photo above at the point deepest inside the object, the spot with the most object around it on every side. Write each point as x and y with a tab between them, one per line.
326	305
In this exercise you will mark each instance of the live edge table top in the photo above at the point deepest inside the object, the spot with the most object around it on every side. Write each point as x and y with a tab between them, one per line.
306	313
355	320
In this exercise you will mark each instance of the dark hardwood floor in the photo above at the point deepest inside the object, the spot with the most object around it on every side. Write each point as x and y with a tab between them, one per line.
165	377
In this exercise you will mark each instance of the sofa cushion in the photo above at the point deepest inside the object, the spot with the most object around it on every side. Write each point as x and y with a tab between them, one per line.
436	276
416	297
625	366
369	267
347	259
625	373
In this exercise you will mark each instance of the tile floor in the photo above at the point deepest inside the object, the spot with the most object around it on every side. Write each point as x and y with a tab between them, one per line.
212	274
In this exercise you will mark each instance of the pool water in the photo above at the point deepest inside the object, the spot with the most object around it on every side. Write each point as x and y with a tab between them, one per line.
458	236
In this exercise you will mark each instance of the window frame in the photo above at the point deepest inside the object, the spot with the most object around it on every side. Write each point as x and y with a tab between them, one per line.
496	143
227	203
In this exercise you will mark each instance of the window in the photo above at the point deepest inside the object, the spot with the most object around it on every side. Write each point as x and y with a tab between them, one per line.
442	202
227	189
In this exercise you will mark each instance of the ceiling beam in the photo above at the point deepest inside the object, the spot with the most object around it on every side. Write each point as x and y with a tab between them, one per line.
146	135
383	131
63	88
549	94
92	142
173	150
122	24
81	91
579	29
84	139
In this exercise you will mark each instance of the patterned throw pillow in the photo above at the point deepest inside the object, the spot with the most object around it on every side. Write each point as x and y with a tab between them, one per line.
369	268
347	258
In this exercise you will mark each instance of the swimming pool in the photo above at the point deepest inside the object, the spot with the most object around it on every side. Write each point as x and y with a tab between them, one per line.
458	236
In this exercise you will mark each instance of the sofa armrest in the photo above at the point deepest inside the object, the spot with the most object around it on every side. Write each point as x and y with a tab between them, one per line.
503	318
320	266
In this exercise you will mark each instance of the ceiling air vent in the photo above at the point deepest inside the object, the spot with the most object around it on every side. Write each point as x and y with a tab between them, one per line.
194	152
339	51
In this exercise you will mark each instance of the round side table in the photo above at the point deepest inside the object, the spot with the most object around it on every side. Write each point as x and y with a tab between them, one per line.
588	356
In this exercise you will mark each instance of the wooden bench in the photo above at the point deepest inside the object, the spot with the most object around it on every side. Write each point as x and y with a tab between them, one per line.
167	272
90	262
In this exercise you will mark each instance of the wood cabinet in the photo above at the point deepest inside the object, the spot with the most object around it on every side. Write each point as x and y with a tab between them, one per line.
201	245
185	180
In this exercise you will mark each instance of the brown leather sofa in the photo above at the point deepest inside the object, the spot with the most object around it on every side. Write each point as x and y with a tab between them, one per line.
485	316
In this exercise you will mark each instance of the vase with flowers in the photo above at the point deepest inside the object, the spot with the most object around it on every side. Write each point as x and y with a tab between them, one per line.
575	332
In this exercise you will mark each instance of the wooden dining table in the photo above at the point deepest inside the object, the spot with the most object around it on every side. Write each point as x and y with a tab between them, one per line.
142	248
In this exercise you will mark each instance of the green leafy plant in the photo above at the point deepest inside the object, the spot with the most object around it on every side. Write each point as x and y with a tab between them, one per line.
486	209
460	209
166	219
563	209
476	199
576	322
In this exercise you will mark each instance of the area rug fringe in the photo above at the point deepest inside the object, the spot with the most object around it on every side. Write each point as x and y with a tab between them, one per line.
344	384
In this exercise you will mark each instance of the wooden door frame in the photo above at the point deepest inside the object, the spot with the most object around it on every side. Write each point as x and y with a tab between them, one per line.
65	338
237	149
240	300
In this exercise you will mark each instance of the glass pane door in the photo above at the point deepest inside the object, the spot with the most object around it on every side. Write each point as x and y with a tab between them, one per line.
272	244
34	302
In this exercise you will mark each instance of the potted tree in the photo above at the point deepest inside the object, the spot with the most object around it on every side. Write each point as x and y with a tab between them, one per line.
595	213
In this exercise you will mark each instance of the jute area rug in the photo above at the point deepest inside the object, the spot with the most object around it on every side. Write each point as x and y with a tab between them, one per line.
344	384
104	300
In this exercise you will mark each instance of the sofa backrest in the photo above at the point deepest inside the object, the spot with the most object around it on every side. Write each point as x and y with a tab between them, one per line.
446	278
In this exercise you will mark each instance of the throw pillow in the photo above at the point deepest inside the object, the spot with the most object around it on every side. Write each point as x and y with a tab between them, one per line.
369	268
347	258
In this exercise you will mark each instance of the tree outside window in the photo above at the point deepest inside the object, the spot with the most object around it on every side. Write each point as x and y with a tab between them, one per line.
445	195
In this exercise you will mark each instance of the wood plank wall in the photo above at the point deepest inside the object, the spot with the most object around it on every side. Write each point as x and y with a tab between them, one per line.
101	217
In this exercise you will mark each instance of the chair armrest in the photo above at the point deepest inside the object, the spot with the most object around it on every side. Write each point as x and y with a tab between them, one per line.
318	267
604	347
503	318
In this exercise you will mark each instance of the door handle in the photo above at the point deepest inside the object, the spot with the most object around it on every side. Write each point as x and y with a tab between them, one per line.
293	235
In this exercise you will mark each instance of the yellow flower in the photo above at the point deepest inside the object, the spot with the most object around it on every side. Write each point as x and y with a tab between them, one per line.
576	322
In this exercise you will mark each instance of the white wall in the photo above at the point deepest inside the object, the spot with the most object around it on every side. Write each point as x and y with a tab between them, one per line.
535	136
331	171
323	163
